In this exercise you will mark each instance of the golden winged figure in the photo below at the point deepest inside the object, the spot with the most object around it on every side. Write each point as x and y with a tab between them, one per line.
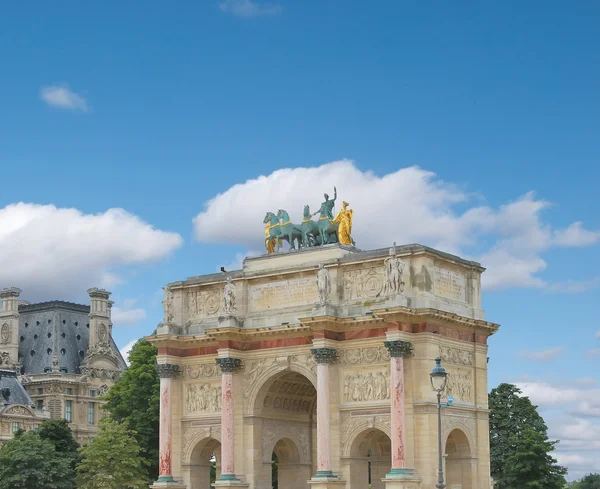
344	219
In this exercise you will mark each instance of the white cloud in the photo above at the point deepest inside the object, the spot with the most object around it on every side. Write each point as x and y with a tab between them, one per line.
62	97
574	286
126	349
249	8
587	382
128	314
507	240
542	355
57	253
592	353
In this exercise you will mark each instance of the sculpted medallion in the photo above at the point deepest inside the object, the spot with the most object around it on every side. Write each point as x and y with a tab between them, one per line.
5	333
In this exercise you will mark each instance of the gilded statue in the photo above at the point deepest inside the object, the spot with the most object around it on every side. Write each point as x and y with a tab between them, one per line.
344	219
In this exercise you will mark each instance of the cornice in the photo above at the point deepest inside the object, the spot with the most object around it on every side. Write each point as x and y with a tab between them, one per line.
408	315
41	306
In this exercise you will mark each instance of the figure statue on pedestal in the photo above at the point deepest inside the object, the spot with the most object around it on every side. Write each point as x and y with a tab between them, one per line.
326	209
323	284
229	298
344	218
394	268
168	304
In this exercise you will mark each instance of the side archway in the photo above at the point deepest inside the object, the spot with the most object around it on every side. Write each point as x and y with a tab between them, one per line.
460	462
370	458
203	465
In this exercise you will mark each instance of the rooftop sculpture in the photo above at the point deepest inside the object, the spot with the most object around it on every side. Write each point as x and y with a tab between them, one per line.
309	233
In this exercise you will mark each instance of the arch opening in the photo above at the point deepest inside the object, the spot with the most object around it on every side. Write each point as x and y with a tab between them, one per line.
459	461
370	459
205	464
286	404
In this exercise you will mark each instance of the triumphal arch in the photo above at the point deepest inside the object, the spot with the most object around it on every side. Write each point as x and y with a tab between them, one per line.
311	368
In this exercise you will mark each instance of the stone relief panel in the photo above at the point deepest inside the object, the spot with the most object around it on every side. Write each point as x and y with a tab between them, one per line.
460	385
449	283
206	370
5	333
364	387
203	303
283	294
456	356
364	356
18	410
202	398
363	283
275	430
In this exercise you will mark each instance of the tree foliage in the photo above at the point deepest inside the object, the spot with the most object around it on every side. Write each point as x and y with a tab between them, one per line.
518	438
112	460
57	432
532	466
590	481
30	462
134	400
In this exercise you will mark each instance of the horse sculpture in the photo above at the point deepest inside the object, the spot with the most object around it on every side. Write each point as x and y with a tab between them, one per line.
289	231
319	232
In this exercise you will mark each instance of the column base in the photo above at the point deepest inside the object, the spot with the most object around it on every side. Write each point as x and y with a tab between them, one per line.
230	480
402	478
167	482
325	479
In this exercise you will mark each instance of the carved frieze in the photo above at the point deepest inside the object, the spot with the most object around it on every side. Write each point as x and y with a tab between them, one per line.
364	387
253	370
205	370
203	303
364	356
460	385
17	411
457	356
203	398
363	283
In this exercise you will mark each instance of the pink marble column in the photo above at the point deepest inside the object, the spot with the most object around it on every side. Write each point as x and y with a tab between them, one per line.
228	366
398	349
166	372
323	356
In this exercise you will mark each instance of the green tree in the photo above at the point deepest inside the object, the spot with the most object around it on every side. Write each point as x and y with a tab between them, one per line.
532	466
112	460
30	462
57	432
134	400
590	481
512	415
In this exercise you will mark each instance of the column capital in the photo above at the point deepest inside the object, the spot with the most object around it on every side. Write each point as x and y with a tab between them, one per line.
168	370
229	364
324	355
398	348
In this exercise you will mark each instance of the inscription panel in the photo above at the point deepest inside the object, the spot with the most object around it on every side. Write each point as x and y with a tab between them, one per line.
278	295
449	284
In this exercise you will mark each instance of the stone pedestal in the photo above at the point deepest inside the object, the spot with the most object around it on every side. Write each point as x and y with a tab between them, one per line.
168	484
326	483
236	484
229	322
410	482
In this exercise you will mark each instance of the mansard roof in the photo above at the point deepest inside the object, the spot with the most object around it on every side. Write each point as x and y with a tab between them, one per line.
11	390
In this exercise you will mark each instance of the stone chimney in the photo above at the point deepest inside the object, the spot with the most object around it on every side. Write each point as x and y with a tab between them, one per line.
9	328
100	322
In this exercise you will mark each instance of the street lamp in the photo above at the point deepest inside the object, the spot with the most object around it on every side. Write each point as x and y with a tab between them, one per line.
438	377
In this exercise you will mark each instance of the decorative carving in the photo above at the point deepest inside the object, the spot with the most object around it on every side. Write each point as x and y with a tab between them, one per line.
465	424
206	370
367	355
457	356
398	348
254	370
17	411
81	411
275	430
168	370
168	304
192	303
324	355
4	358
229	365
460	385
229	306
362	387
100	373
193	435
201	398
323	284
103	390
364	283
5	333
100	350
394	268
352	426
102	334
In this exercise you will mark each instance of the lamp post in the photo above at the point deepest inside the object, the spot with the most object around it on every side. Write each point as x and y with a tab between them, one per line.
438	377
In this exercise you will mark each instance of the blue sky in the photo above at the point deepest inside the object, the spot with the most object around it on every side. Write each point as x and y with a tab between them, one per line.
470	126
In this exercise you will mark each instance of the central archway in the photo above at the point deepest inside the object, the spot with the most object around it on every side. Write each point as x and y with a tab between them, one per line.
286	405
370	459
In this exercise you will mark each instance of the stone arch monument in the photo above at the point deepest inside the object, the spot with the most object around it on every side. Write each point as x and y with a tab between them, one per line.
322	357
